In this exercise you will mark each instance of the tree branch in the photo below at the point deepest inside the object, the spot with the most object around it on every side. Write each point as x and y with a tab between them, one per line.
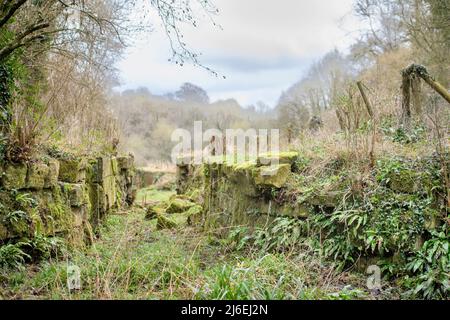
12	9
19	41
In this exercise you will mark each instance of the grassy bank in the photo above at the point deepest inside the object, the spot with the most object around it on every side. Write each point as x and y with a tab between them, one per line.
134	260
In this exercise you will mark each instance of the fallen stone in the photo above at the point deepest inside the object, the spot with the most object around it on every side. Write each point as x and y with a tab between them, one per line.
194	214
179	205
153	211
165	222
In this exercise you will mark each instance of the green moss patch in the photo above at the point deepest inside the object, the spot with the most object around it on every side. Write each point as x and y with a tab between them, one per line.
14	176
273	176
178	205
72	170
165	222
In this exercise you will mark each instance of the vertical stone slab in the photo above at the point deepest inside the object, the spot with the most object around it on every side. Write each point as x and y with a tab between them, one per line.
37	172
51	178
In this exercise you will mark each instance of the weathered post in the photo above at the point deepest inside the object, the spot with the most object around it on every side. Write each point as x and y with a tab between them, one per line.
410	77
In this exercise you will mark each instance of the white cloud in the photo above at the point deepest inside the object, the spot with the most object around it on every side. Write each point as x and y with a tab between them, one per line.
263	47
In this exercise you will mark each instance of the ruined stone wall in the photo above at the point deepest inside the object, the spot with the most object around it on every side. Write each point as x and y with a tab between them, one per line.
253	194
63	196
240	194
400	202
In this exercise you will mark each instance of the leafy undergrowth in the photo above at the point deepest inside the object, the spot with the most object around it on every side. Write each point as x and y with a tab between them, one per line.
134	260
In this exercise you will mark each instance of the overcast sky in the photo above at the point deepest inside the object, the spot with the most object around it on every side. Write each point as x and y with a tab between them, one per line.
262	47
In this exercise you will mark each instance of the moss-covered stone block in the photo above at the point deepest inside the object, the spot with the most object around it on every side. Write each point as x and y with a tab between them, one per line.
37	172
179	205
194	214
37	225
277	158
114	166
54	210
433	219
79	216
293	210
102	169
152	211
76	194
111	194
272	176
405	181
241	176
51	179
101	173
328	199
14	176
165	222
274	209
98	203
19	226
72	170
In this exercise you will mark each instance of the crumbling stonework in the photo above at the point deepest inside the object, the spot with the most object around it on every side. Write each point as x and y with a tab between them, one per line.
255	191
66	196
236	194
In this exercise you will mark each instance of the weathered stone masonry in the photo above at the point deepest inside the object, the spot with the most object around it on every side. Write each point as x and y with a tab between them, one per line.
64	196
243	194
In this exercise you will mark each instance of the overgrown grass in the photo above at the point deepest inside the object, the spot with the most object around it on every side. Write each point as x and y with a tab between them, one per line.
153	194
134	260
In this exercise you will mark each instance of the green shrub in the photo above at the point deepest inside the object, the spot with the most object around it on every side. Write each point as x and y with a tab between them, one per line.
431	267
12	255
281	235
45	247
